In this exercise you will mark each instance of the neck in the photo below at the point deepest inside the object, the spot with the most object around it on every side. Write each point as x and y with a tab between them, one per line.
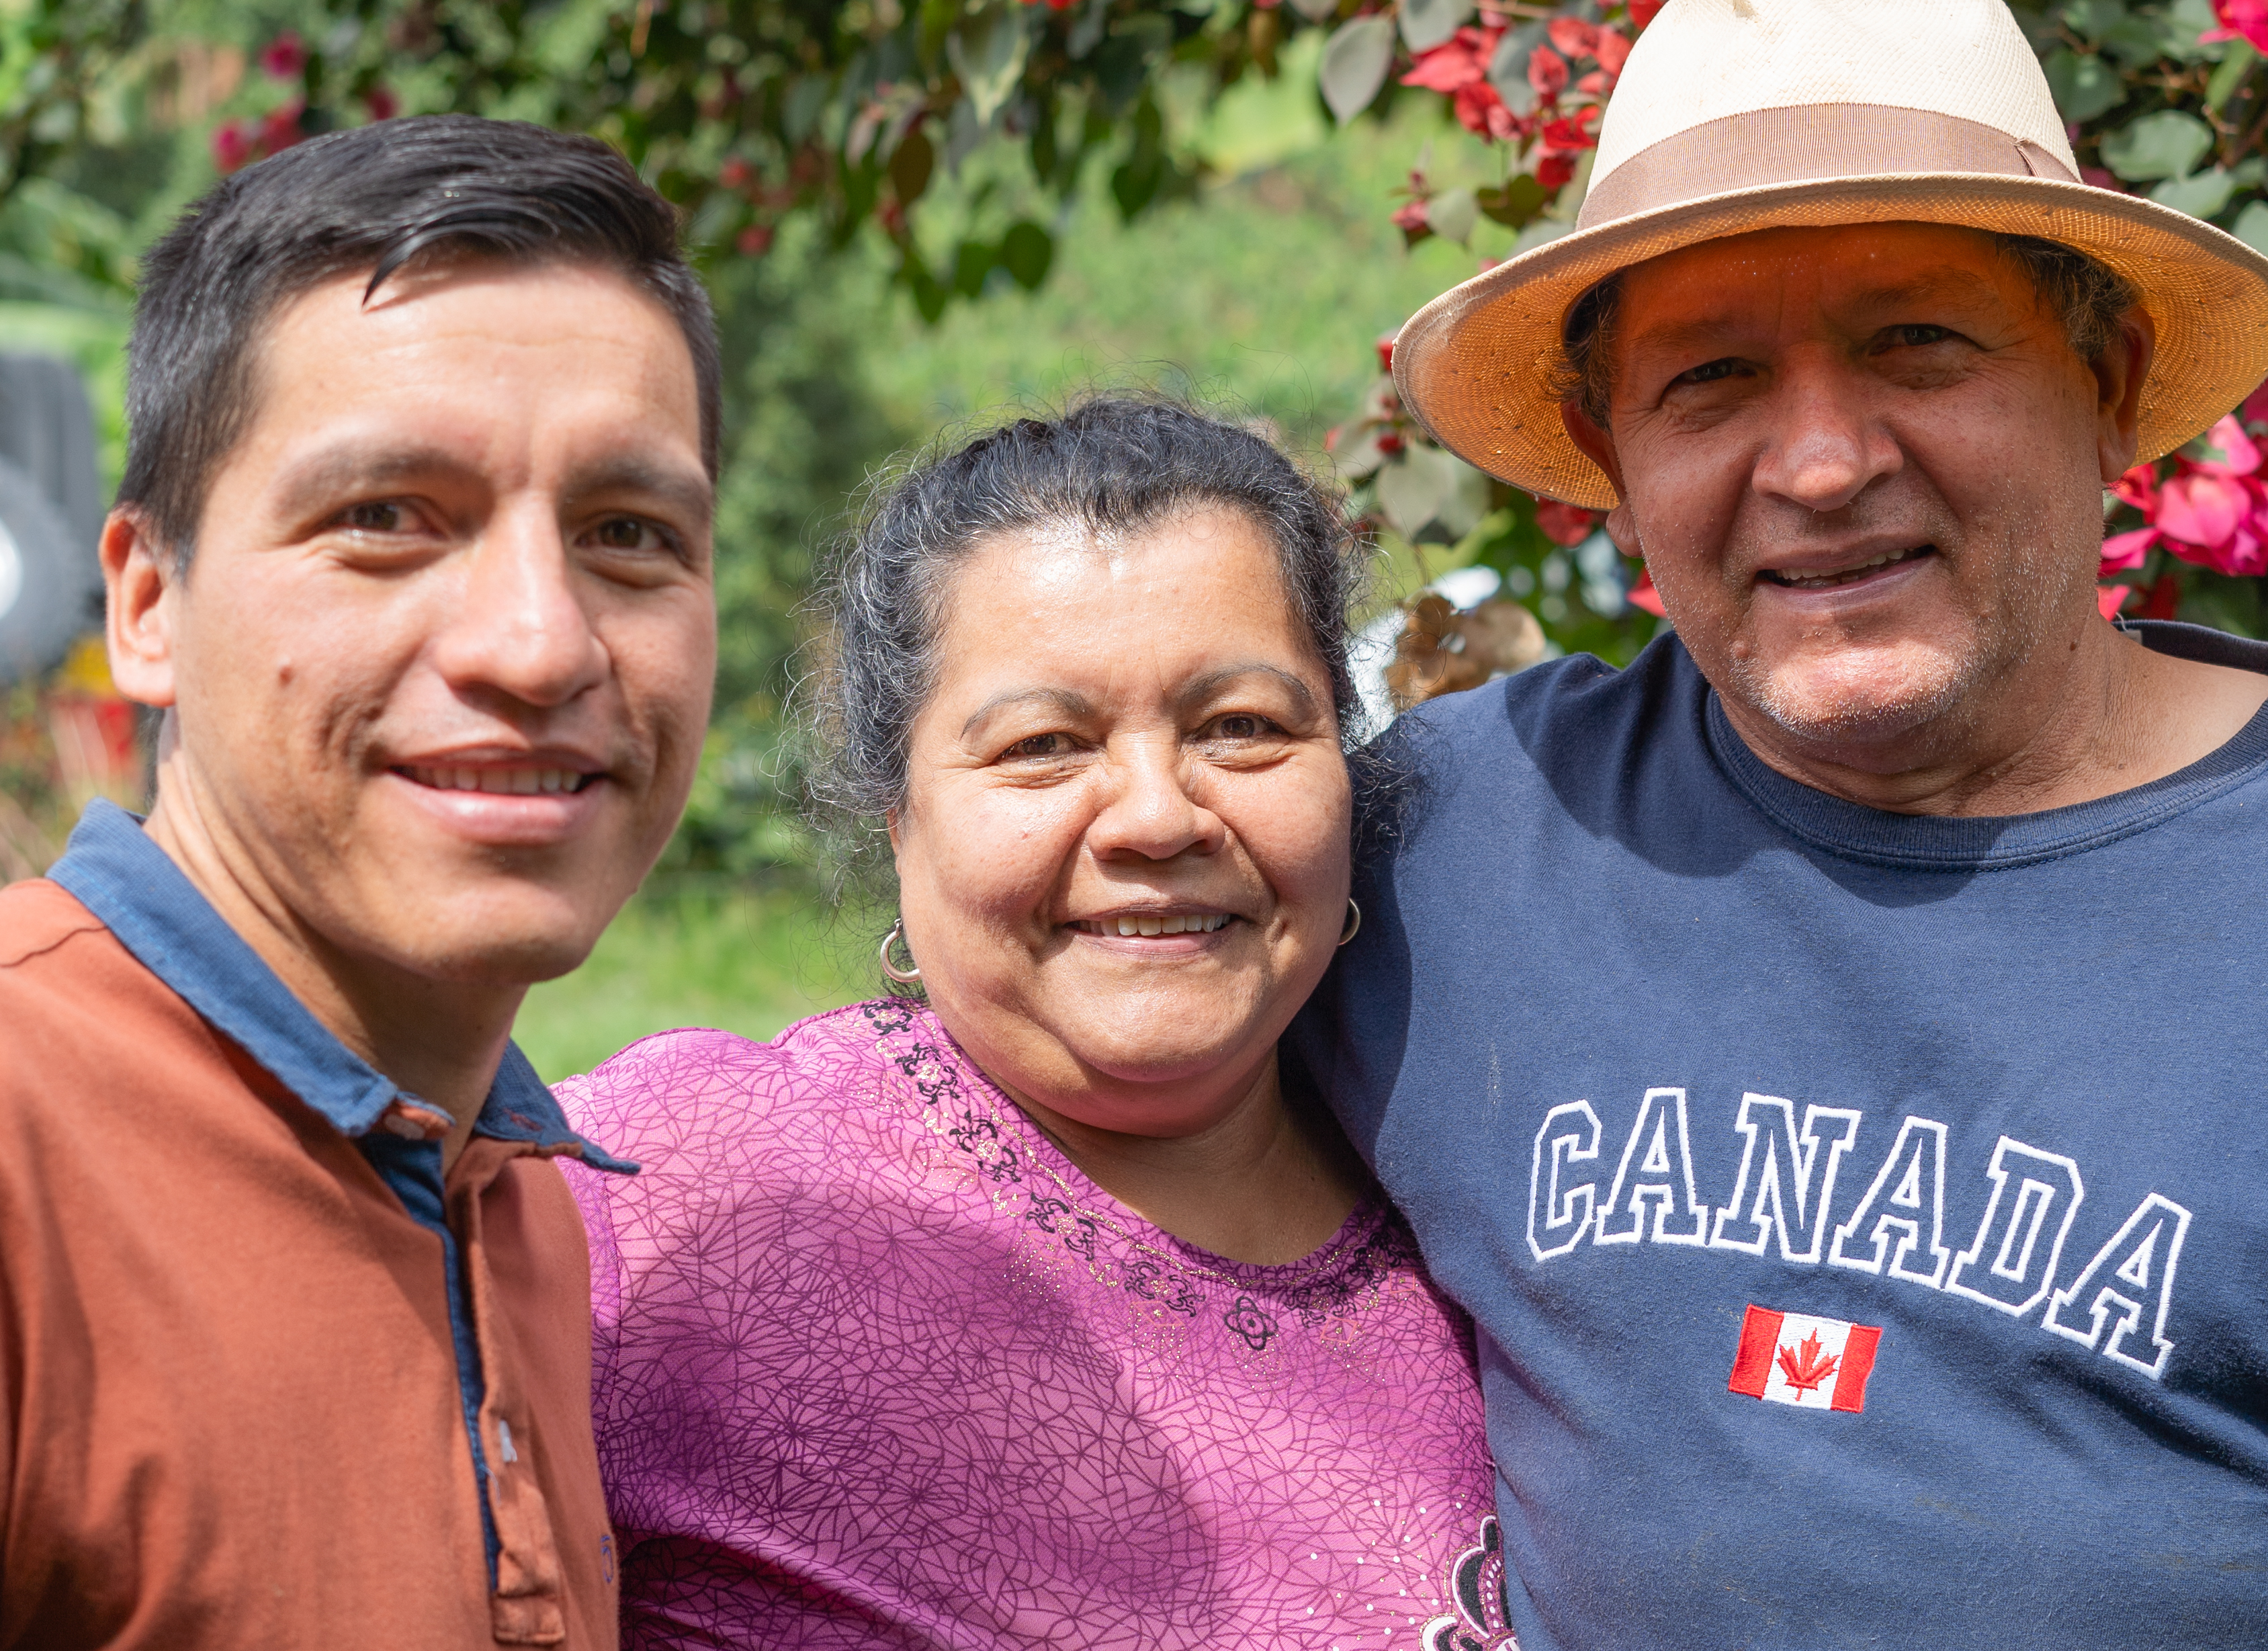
441	1041
1264	1183
2090	713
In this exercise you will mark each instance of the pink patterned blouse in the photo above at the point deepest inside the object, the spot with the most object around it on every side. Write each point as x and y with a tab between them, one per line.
877	1366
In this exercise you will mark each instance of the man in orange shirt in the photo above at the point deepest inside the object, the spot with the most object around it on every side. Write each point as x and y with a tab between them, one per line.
413	550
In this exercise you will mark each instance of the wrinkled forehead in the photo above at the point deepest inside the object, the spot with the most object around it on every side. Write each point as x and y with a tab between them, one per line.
1834	272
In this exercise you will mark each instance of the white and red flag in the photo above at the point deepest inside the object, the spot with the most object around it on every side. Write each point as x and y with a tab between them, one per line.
1821	1364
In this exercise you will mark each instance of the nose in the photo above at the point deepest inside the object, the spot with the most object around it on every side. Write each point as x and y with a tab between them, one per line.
1149	813
520	628
1827	445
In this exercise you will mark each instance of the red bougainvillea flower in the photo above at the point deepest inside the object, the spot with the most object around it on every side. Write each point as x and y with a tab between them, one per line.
1385	352
1573	37
2110	598
382	103
232	145
1612	48
2247	19
1554	172
1547	72
2239	456
279	128
1642	595
755	240
2202	509
735	174
1642	12
1571	135
1410	216
2139	487
1459	61
2124	550
284	57
1563	524
1482	111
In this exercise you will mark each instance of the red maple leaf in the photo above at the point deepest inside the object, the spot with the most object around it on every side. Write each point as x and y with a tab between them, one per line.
1802	1366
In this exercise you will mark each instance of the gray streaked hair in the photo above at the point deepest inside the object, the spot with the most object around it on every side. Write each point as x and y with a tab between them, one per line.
1112	465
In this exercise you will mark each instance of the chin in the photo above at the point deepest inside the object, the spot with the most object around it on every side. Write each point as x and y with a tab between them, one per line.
1862	698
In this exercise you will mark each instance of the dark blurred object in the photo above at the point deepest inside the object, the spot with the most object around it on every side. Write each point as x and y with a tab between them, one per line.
51	515
1441	650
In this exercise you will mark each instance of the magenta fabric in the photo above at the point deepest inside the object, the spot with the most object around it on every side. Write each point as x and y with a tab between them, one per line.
877	1366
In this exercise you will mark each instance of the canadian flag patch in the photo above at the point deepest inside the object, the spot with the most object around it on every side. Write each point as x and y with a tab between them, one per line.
1821	1364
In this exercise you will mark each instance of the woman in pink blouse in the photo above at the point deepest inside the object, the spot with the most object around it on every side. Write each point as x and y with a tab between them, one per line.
1025	1308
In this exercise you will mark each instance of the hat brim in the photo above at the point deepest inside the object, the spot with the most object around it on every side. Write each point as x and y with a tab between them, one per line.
1476	365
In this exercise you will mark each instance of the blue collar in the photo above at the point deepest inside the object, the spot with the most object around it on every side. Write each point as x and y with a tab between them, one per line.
114	870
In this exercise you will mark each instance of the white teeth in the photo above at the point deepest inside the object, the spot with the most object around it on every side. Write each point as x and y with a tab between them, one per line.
1144	924
500	782
1822	581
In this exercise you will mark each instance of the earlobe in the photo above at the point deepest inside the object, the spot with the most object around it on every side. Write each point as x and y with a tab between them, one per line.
140	584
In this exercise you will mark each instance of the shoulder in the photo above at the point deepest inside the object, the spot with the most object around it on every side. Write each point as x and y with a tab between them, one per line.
691	1094
36	917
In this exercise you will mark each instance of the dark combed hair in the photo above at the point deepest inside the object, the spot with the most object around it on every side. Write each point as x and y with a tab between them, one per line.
2086	295
375	199
1115	464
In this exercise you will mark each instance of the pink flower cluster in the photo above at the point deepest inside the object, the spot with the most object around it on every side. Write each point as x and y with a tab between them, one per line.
2212	511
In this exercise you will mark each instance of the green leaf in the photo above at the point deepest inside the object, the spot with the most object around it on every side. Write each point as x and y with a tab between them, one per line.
2251	226
1316	11
2200	196
2179	25
1425	24
2084	85
2162	145
1027	250
2133	42
1452	214
1516	204
1355	65
988	52
2229	74
2093	19
1412	489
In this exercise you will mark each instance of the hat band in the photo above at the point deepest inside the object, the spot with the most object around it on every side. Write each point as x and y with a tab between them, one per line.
1803	144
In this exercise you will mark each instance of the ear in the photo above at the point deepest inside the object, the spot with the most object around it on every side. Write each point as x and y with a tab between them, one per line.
1598	446
2120	372
141	586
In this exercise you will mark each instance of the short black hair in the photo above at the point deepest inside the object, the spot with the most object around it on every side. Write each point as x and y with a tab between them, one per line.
2086	296
376	198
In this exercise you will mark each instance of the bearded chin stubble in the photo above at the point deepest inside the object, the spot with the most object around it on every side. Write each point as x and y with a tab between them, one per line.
1872	689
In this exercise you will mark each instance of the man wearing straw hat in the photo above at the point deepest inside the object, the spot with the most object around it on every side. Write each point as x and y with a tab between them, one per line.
1825	1057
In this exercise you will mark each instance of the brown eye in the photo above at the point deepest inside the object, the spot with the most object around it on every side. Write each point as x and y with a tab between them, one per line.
625	533
1709	373
1916	337
1241	727
1039	745
378	516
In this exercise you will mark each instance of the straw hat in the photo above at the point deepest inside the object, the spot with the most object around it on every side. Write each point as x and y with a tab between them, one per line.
1734	115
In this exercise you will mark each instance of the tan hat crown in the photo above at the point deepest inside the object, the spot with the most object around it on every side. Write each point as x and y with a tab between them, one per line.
1736	116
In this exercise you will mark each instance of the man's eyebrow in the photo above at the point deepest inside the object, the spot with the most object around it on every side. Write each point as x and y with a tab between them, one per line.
1204	688
1061	699
1948	282
685	492
358	467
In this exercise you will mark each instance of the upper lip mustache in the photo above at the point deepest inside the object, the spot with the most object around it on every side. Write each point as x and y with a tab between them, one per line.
1824	562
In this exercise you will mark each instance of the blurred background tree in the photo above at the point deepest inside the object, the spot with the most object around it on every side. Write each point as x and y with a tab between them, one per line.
917	211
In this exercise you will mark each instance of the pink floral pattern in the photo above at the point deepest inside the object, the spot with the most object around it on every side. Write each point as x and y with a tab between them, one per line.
878	1366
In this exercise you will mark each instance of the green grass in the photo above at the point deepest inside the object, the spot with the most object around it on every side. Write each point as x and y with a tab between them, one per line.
749	961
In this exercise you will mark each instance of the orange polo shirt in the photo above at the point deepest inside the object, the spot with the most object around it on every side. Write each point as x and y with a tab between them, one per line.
267	1379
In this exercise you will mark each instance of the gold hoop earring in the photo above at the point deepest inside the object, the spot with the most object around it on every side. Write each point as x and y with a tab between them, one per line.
903	976
1353	923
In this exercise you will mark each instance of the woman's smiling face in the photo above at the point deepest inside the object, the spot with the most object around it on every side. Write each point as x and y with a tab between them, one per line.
1124	854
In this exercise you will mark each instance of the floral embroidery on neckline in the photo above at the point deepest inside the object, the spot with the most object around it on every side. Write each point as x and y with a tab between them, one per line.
1341	1280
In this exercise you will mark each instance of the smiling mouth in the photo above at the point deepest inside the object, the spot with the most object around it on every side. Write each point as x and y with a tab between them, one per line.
501	782
1194	923
1848	576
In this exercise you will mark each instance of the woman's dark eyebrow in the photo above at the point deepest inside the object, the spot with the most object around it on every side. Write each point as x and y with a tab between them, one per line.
1212	683
1063	700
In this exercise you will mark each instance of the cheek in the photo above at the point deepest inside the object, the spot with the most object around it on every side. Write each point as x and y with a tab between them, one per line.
976	851
1296	826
